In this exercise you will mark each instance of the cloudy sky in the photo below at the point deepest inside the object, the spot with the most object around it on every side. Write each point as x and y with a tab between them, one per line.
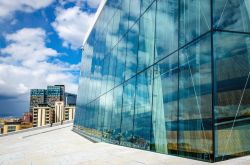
40	43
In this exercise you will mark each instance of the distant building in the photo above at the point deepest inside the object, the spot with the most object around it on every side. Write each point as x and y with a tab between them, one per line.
26	125
70	99
69	112
11	126
59	111
37	96
42	115
1	129
27	117
50	96
50	105
55	93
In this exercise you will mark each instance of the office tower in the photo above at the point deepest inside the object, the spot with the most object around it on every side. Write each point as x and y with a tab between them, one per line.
170	76
70	99
37	96
55	93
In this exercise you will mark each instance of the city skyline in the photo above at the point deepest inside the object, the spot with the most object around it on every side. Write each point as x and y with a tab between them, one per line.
40	45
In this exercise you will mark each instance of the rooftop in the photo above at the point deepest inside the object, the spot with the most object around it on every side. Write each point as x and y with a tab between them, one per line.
60	145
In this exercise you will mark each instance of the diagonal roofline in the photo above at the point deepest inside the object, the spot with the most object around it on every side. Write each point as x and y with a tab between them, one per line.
98	12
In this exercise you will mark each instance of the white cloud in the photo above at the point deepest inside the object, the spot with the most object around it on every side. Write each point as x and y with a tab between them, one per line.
8	7
27	46
72	25
93	3
26	64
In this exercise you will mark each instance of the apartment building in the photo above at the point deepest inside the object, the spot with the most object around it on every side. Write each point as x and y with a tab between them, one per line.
42	115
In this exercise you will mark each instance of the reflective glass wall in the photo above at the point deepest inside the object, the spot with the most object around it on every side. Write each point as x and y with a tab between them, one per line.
170	76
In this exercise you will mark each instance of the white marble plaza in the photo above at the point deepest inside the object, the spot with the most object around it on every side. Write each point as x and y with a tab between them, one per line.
60	146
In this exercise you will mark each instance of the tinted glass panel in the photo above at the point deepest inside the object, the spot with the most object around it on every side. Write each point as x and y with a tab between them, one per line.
232	15
232	109
116	115
132	50
165	105
166	28
143	106
128	112
146	39
195	100
194	19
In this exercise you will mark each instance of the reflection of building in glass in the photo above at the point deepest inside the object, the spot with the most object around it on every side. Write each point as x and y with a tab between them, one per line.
169	76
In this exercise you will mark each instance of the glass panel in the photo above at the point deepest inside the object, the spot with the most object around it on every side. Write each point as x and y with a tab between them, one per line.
101	114
143	105
194	19
116	27
232	109
112	69
124	17
97	131
232	15
128	113
146	39
107	116
121	57
145	4
134	12
166	27
132	50
116	115
195	100
165	105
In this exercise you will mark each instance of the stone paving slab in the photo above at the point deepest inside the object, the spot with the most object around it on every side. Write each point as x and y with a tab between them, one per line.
61	146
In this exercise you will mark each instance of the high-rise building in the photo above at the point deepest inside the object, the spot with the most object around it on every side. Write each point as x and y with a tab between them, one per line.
37	96
70	99
170	76
42	115
55	93
49	96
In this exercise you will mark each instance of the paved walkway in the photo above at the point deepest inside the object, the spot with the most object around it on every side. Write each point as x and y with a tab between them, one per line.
60	146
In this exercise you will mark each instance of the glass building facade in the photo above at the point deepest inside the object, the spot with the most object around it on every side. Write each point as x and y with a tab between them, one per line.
170	76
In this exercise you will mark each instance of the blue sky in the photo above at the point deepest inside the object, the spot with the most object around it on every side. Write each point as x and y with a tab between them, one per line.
40	43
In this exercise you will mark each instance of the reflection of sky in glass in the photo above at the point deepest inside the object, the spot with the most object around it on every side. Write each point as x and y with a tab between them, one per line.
138	89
